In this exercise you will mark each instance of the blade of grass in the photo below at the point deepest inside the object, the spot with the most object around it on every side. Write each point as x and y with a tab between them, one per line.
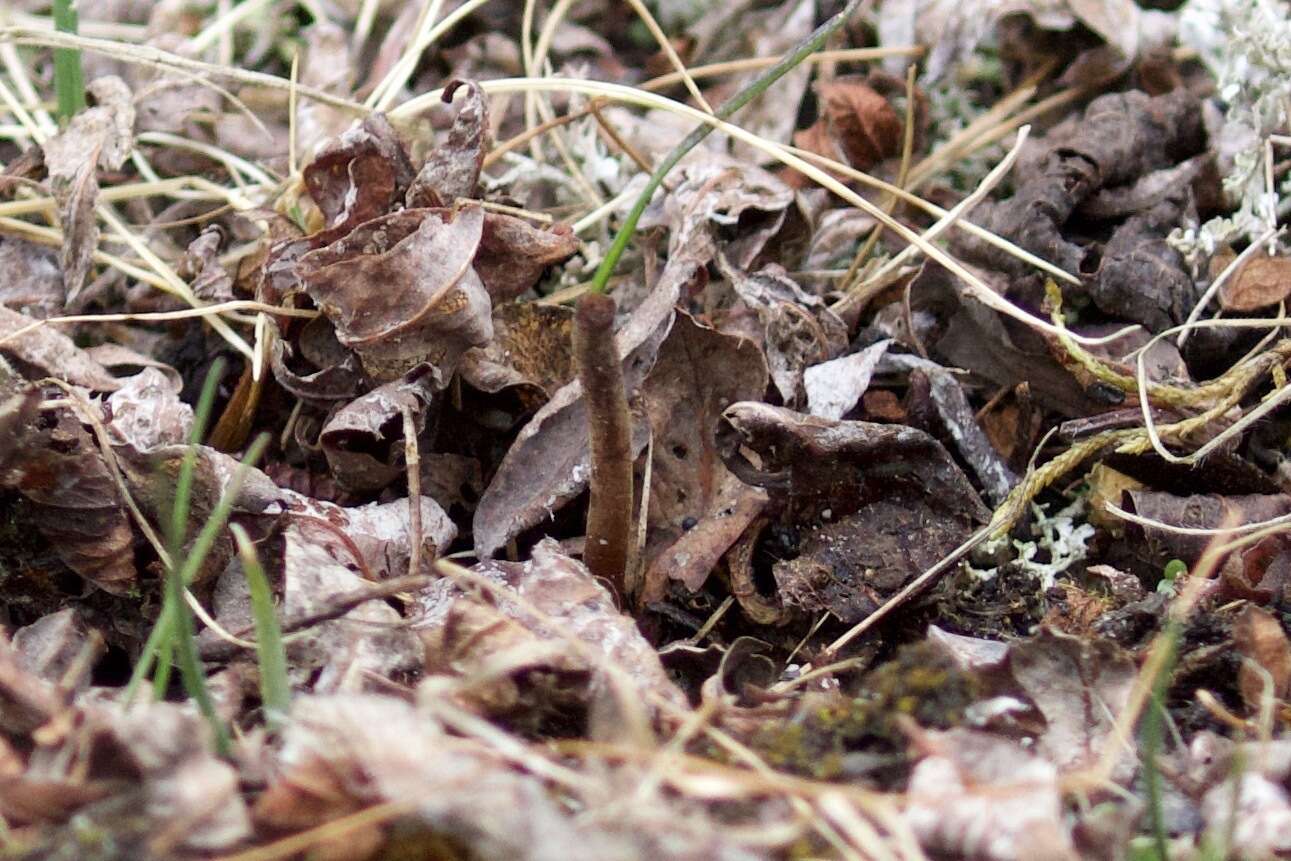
159	640
275	688
1151	733
757	87
69	81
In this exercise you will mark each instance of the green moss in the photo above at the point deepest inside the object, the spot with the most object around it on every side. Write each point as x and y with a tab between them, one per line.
920	683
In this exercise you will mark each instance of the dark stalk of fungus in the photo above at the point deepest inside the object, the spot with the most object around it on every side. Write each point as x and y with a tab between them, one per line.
609	427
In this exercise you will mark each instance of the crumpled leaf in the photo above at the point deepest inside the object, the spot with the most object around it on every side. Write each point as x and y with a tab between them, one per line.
1259	638
500	638
358	176
697	507
799	329
875	505
834	387
513	253
165	749
530	351
74	501
337	758
1260	283
452	170
980	796
98	137
363	441
339	378
1206	511
52	645
401	290
857	125
146	412
1081	685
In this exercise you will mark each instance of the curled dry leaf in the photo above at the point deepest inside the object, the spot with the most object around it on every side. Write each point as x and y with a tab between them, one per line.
363	441
401	290
874	505
452	170
857	125
98	137
1206	511
799	330
1260	283
74	502
980	796
358	176
697	507
337	758
530	352
1266	668
834	387
461	633
513	253
340	377
369	639
146	412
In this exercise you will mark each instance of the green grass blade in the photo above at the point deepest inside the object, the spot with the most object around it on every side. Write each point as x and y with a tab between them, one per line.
275	688
69	80
812	44
163	629
1151	733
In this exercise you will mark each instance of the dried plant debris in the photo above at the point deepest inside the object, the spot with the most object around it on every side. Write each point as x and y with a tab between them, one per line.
898	570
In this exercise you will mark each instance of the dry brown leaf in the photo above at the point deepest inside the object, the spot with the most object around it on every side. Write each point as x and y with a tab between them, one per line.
857	125
530	351
358	176
47	352
1260	283
452	170
363	441
697	507
513	253
33	283
401	290
1260	640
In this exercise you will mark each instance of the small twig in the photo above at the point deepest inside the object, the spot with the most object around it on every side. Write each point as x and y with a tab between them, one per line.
412	456
609	515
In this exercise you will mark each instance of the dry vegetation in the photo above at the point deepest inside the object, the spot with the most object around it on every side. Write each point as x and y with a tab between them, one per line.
509	429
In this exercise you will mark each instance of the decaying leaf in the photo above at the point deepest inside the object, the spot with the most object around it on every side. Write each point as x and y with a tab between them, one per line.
47	352
1260	283
1207	511
492	639
513	253
146	412
401	290
857	125
1266	668
834	387
452	170
697	507
980	796
358	176
74	501
1080	686
98	137
530	351
875	505
364	442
